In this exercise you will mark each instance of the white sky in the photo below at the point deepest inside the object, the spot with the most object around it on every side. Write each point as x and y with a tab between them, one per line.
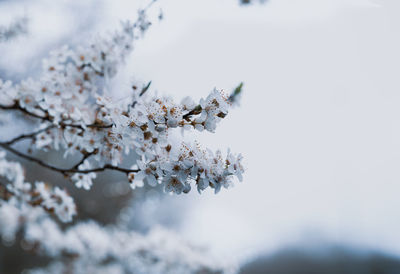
319	124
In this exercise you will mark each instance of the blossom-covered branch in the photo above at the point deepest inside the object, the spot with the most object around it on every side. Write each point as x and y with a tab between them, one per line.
91	248
71	99
86	247
19	193
66	171
71	108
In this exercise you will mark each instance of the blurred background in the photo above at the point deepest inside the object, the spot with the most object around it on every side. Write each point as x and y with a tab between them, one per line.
318	123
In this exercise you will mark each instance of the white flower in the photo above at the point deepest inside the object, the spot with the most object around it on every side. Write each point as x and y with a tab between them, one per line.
82	180
146	173
7	93
71	95
65	208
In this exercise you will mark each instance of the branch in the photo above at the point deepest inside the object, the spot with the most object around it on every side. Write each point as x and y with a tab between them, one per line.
31	135
16	106
232	99
195	111
85	156
100	73
47	118
65	171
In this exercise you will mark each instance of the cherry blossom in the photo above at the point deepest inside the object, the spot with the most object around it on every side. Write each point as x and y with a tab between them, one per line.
71	109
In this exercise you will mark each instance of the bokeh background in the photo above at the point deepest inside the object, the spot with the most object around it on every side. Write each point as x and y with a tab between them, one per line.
318	125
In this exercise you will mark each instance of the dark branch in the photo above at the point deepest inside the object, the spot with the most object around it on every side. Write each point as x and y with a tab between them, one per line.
47	118
85	156
26	136
66	171
89	65
16	106
232	98
195	111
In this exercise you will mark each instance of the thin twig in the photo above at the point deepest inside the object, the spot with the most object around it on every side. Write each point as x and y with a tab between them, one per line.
195	111
16	106
31	135
47	118
85	156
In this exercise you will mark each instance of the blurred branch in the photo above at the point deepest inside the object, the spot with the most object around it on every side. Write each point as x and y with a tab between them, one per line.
26	136
17	28
247	2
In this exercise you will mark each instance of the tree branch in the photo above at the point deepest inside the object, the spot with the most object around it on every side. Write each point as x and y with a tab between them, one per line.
66	171
85	156
47	118
25	136
195	111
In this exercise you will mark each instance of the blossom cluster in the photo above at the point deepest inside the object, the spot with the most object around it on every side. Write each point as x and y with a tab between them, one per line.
91	248
70	100
112	250
15	192
71	109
